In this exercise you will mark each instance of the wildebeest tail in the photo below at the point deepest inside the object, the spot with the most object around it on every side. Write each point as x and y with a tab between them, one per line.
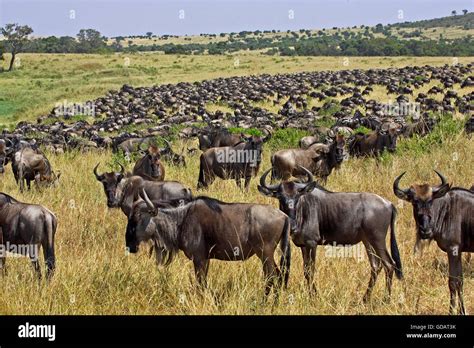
285	247
393	245
201	171
50	225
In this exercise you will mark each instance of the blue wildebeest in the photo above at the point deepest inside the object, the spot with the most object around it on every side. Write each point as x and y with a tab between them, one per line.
241	161
27	227
206	228
322	217
446	215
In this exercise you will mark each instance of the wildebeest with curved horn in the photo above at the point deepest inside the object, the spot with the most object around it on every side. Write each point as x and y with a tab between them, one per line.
32	165
218	138
110	181
241	161
207	229
122	189
149	167
319	159
322	217
374	143
446	215
27	227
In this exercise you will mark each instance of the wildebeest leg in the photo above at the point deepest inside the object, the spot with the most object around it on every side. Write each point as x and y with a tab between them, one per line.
247	182
270	269
34	257
309	265
455	279
201	266
50	259
238	181
375	267
2	256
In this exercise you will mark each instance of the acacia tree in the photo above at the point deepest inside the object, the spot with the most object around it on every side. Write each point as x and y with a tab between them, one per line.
465	12
16	36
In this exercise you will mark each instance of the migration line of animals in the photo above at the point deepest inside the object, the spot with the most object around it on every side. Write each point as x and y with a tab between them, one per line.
167	214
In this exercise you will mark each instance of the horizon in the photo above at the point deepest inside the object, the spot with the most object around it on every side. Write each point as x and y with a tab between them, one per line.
188	18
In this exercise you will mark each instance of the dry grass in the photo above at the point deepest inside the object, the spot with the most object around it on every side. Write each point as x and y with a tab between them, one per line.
95	276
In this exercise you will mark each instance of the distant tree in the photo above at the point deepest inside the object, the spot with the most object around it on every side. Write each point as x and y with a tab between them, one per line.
90	40
465	12
453	12
16	36
149	34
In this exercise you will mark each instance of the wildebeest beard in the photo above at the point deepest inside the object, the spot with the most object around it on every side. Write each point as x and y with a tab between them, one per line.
167	224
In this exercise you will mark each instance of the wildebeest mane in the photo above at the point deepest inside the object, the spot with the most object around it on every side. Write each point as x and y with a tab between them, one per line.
9	199
211	203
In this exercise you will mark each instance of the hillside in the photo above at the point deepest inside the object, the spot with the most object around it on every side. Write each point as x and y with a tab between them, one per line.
466	21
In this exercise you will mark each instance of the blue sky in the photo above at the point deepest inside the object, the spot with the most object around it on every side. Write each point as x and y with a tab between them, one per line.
121	17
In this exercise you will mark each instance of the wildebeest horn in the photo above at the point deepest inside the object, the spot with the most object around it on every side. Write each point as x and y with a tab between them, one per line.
122	169
400	193
308	175
149	203
443	179
97	175
263	179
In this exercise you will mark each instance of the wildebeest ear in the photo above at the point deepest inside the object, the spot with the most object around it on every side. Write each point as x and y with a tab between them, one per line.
441	191
308	188
264	191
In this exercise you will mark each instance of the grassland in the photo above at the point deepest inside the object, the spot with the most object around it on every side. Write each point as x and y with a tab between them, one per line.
95	275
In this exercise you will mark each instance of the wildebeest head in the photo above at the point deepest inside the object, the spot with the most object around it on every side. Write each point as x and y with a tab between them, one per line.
288	193
5	153
142	226
153	155
339	143
110	182
255	142
390	138
421	196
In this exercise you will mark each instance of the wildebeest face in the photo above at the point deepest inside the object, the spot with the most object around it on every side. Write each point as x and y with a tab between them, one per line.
392	140
138	227
288	194
154	157
421	197
110	182
339	144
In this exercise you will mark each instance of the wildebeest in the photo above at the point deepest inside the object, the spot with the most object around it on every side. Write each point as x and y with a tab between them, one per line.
169	155
207	229
319	158
5	152
130	145
444	214
122	189
110	180
322	217
238	162
149	167
218	138
373	143
32	165
24	228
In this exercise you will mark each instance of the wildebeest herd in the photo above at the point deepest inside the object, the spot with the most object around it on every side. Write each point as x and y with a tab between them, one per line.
168	216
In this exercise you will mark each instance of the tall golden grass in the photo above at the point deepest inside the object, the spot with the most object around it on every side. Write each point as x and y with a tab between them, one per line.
95	275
